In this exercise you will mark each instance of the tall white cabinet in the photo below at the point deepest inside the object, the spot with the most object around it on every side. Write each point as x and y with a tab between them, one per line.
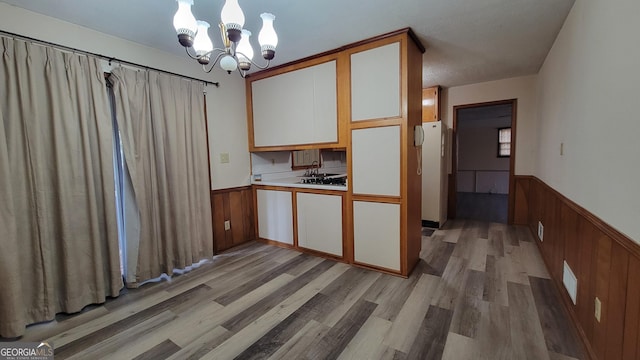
385	107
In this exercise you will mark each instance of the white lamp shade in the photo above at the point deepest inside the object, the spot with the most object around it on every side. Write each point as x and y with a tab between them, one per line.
202	43
244	50
268	36
232	14
183	21
228	63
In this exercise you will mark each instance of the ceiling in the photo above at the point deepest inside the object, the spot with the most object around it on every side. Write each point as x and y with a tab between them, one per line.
492	116
467	41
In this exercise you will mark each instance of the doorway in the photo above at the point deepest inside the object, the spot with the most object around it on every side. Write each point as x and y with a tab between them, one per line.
481	186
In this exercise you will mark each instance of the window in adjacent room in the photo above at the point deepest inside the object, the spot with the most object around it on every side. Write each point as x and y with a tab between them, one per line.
504	142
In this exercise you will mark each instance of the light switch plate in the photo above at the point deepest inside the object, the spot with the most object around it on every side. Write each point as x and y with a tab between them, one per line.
224	158
598	309
227	225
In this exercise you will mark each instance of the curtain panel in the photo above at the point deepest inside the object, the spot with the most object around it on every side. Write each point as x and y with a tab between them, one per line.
164	141
58	230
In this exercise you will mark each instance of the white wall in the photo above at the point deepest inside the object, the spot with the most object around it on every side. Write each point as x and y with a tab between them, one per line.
588	93
521	88
478	149
479	167
226	105
227	115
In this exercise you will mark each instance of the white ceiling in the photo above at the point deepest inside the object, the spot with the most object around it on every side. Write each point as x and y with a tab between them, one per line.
492	116
467	41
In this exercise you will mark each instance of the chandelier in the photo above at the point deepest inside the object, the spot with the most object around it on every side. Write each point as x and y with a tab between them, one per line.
237	52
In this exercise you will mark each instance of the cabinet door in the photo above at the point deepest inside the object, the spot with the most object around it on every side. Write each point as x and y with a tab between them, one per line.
275	215
376	234
375	83
431	104
298	107
320	222
376	160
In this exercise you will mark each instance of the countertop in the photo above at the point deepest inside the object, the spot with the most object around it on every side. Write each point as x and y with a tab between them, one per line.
295	182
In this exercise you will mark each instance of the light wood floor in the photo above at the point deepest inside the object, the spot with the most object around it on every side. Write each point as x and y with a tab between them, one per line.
480	292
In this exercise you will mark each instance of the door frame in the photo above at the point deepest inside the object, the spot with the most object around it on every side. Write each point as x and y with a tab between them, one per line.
452	196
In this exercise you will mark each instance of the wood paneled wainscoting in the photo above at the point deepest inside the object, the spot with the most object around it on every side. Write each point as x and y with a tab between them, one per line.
236	206
605	262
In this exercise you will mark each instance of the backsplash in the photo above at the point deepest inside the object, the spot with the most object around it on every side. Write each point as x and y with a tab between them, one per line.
279	162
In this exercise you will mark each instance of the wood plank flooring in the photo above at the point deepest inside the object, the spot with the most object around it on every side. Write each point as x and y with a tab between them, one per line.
480	291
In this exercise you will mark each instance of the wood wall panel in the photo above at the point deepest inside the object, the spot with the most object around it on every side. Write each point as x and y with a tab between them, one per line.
237	206
249	215
569	232
217	211
631	345
605	262
521	212
585	304
602	276
617	301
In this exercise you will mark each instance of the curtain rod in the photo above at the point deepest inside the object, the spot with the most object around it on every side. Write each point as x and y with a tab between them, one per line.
104	57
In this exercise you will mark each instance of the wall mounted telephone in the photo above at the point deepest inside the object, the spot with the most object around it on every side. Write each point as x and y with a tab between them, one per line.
418	140
418	135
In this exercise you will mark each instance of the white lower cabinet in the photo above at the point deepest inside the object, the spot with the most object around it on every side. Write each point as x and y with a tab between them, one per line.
320	222
275	215
376	234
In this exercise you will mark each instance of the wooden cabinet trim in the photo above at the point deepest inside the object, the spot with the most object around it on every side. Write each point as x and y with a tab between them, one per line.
408	31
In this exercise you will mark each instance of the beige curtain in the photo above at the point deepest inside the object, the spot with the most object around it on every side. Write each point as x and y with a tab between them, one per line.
59	242
162	126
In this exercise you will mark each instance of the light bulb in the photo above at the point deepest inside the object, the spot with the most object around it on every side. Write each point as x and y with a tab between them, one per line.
228	63
233	19
202	43
268	38
185	23
244	51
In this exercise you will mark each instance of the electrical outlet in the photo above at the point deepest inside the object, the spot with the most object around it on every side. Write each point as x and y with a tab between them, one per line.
227	225
598	309
540	231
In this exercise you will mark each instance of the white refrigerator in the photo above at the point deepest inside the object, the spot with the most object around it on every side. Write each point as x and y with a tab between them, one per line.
434	174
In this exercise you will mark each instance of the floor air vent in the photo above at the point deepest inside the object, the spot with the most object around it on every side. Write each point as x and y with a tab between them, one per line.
570	282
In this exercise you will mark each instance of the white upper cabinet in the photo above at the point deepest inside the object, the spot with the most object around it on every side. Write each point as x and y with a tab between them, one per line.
297	107
376	161
375	83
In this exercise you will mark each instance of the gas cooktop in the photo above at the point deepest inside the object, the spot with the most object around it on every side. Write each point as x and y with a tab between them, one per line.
323	180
